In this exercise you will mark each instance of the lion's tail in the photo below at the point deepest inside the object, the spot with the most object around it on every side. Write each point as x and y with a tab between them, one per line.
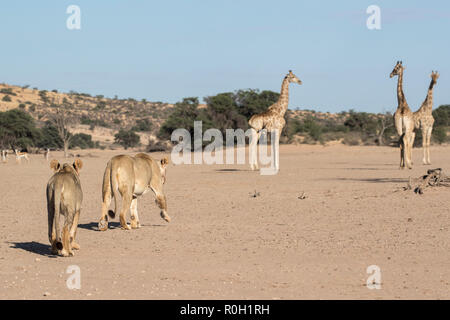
109	188
57	202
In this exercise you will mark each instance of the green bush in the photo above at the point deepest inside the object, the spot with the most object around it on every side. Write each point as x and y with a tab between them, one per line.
441	116
127	138
142	125
250	102
100	105
8	91
19	127
83	141
439	135
50	138
183	116
6	98
224	111
93	123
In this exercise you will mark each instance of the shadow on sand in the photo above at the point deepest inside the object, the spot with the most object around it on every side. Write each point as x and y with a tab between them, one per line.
375	180
34	247
93	226
232	170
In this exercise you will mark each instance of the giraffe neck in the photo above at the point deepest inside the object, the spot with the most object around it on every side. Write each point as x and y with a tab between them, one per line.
428	103
283	100
400	95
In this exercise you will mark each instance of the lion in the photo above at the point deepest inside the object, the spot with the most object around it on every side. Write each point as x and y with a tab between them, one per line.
132	177
64	196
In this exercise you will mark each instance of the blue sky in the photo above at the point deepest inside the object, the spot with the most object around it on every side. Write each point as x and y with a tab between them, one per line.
164	51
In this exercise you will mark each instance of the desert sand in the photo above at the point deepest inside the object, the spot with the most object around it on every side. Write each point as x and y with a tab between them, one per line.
224	243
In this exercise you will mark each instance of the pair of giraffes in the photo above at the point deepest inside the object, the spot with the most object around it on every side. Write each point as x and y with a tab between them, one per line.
405	120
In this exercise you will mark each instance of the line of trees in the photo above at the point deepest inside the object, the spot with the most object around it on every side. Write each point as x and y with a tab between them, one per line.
224	110
233	110
18	130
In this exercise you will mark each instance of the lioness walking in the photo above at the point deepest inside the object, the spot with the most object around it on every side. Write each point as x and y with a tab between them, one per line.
132	177
64	196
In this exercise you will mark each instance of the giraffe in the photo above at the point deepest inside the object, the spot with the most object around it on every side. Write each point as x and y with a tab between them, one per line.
403	120
423	119
272	120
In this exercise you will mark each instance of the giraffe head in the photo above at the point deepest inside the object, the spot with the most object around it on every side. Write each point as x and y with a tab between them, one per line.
434	76
292	78
397	69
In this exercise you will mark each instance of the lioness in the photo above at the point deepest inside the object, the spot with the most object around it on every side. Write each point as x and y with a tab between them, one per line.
132	177
64	196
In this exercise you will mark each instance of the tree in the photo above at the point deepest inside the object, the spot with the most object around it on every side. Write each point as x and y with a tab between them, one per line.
143	125
6	139
250	102
385	121
17	129
127	138
183	117
63	119
50	137
439	135
82	140
223	112
441	116
6	98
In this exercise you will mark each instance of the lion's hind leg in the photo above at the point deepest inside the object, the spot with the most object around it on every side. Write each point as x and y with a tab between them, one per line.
73	232
126	204
69	214
103	223
66	250
134	214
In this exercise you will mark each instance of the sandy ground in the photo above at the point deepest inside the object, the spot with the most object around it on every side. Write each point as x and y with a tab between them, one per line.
224	244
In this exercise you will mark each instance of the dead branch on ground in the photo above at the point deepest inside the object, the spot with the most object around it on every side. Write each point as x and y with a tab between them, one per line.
433	178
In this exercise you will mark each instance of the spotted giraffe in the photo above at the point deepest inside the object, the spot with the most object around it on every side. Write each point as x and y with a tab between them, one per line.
403	120
272	120
423	119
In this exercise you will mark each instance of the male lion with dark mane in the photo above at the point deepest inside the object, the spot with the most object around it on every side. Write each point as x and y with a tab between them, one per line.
132	177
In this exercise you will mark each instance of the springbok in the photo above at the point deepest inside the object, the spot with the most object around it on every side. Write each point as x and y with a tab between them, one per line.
47	154
20	155
4	156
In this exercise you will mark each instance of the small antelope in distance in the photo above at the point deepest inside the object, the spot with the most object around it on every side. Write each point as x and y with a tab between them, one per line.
4	156
47	154
20	155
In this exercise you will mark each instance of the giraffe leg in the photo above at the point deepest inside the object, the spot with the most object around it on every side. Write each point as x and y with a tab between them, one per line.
252	151
276	150
408	151
256	150
402	152
411	145
429	131
424	144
